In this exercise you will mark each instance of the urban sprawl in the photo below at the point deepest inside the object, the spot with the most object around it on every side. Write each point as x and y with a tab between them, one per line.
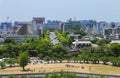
42	46
19	29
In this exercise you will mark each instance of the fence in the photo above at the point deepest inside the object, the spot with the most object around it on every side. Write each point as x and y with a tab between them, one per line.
79	74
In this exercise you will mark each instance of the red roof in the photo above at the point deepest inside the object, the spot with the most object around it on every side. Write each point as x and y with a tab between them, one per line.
38	20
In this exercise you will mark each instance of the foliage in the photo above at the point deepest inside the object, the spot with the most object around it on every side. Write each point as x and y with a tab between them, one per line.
90	54
9	40
2	64
10	61
102	53
94	41
60	75
53	75
41	47
44	49
9	50
115	47
23	59
64	39
58	51
102	42
115	61
79	32
105	60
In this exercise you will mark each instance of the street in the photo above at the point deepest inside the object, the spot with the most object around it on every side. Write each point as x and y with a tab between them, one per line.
54	38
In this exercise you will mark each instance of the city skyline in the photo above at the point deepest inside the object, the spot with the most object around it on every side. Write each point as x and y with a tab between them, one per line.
25	10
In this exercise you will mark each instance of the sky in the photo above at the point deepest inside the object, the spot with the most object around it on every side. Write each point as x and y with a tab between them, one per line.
25	10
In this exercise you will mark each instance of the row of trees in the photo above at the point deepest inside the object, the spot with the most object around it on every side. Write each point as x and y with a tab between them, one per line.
44	49
102	53
101	42
22	60
41	47
64	39
88	55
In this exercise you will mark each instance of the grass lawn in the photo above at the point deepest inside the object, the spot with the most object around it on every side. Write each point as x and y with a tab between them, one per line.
88	68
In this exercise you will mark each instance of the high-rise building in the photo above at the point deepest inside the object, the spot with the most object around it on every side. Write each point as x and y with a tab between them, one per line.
37	25
6	25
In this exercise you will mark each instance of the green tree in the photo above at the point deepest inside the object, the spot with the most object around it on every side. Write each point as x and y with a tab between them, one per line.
9	40
115	47
47	58
79	32
63	38
11	61
105	60
23	59
2	64
58	51
101	42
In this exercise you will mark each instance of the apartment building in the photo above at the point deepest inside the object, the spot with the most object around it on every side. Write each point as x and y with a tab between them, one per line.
37	25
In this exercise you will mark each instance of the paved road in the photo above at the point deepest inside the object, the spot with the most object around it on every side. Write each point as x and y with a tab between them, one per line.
54	38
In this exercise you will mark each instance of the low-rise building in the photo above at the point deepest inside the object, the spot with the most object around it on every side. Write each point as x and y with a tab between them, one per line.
75	37
19	38
70	26
81	44
52	25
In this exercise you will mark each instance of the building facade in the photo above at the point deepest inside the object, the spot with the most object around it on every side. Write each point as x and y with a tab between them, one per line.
70	26
52	25
5	27
37	25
